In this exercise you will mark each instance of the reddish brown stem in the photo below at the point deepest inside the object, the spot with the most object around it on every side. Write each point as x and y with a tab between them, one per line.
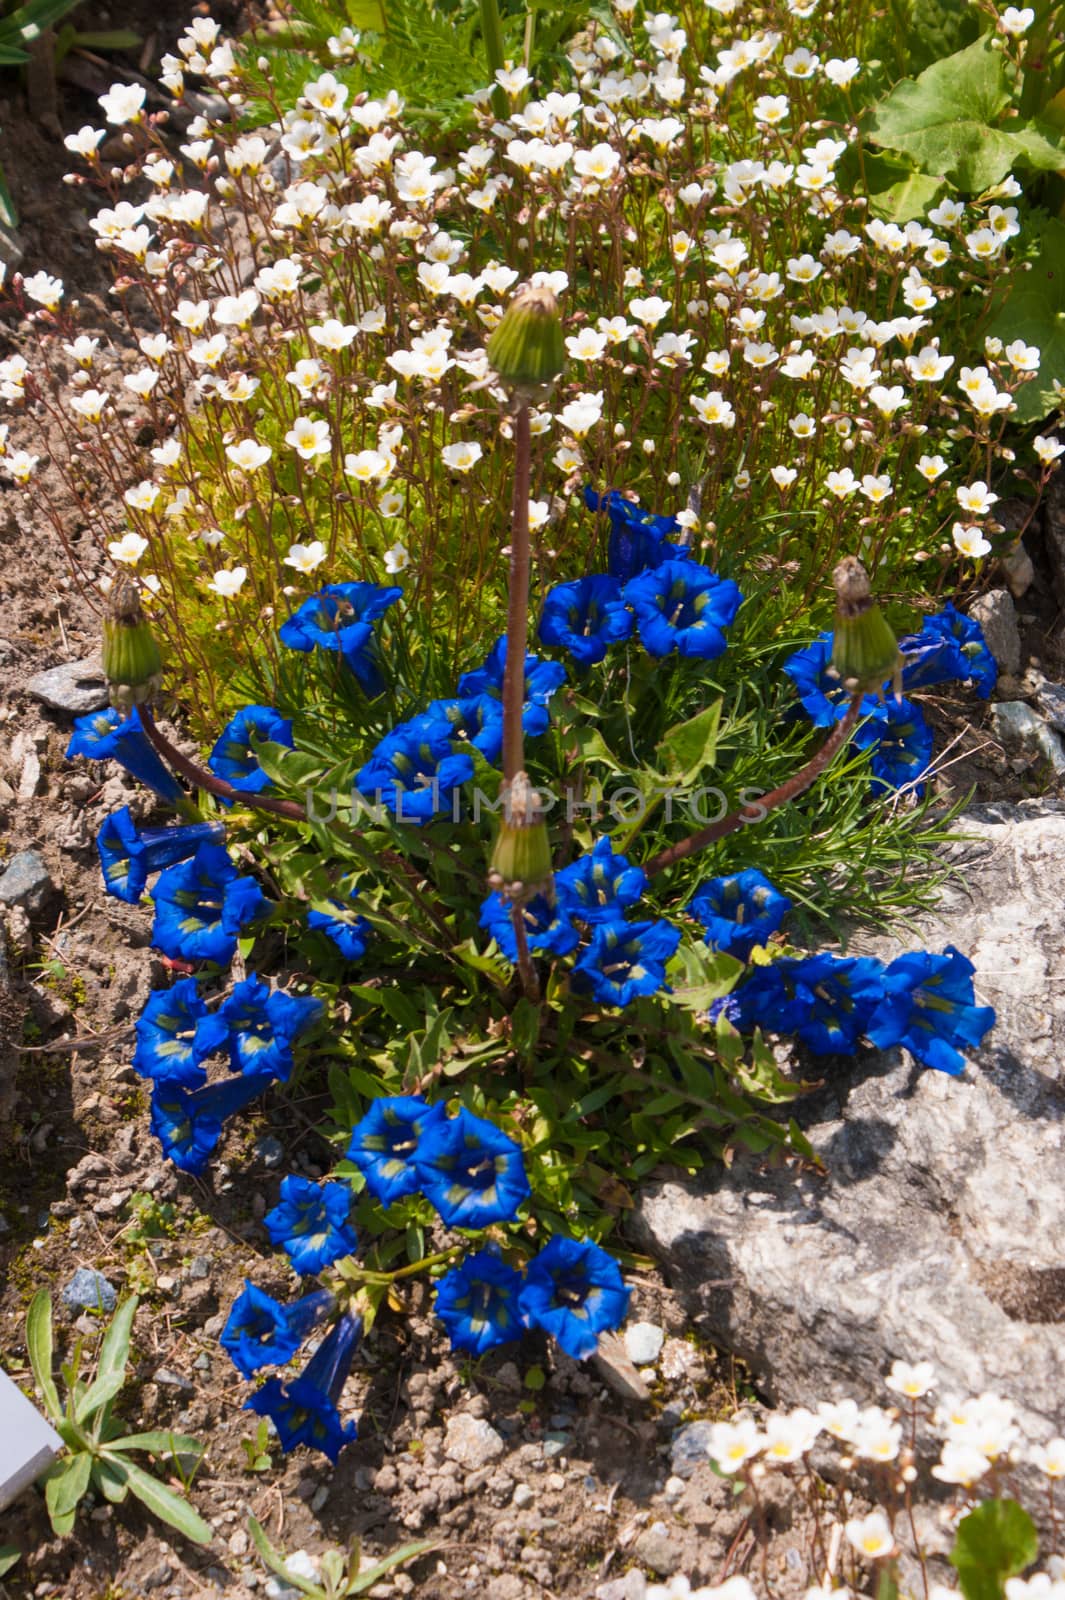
518	604
201	779
797	784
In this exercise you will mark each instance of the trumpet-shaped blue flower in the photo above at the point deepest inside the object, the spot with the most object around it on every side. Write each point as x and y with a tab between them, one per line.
385	1143
188	908
600	886
188	1124
129	857
175	1034
929	1007
471	1171
739	911
827	1001
342	924
261	1332
305	1410
233	757
311	1224
585	617
475	719
477	1302
626	960
949	645
638	538
820	688
542	680
901	742
575	1292
106	736
244	905
340	617
264	1024
682	606
547	925
414	771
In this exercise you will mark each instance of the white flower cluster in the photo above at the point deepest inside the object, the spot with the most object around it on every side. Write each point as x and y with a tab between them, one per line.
683	198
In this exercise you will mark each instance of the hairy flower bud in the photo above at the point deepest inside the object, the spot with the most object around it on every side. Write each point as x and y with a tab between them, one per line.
131	660
521	858
865	652
526	349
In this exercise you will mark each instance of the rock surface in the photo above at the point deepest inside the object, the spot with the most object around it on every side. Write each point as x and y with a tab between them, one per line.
471	1441
1018	728
997	615
26	882
938	1230
89	1291
77	687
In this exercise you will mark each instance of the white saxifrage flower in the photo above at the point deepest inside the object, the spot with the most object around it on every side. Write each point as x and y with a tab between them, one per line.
871	1536
228	582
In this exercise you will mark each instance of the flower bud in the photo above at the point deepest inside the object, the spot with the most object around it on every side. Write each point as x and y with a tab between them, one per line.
526	349
521	858
132	664
865	652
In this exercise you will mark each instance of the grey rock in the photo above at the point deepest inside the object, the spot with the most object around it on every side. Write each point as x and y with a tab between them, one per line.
643	1343
76	687
471	1441
523	1496
657	1548
199	1267
633	1586
555	1444
173	1380
1018	729
1018	570
269	1150
26	882
937	1230
1050	701
997	616
89	1291
689	1448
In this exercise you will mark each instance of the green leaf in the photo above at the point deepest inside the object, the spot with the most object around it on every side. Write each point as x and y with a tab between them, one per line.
995	1542
945	118
167	1505
114	1358
367	14
64	1484
9	1554
910	197
39	1345
691	747
110	1477
1033	309
276	1562
371	1575
160	1442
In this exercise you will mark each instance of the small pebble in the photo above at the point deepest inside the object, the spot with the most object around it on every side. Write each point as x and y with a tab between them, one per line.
643	1343
522	1495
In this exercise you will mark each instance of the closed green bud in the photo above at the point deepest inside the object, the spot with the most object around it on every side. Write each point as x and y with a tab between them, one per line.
132	664
526	349
521	858
865	652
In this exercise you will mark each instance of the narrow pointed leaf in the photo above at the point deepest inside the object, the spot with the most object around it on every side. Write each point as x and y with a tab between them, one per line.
164	1503
39	1345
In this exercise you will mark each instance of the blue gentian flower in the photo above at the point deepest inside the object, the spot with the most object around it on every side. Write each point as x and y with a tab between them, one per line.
175	1034
188	908
820	687
311	1224
233	757
682	606
244	905
950	645
475	719
929	1007
542	680
547	925
188	1124
739	911
414	771
385	1142
901	742
343	925
638	538
129	857
626	959
477	1302
106	736
827	1001
261	1332
264	1024
305	1410
585	617
471	1171
600	886
575	1292
340	617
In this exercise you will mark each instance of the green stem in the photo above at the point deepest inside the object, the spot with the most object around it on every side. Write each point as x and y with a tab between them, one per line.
492	34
